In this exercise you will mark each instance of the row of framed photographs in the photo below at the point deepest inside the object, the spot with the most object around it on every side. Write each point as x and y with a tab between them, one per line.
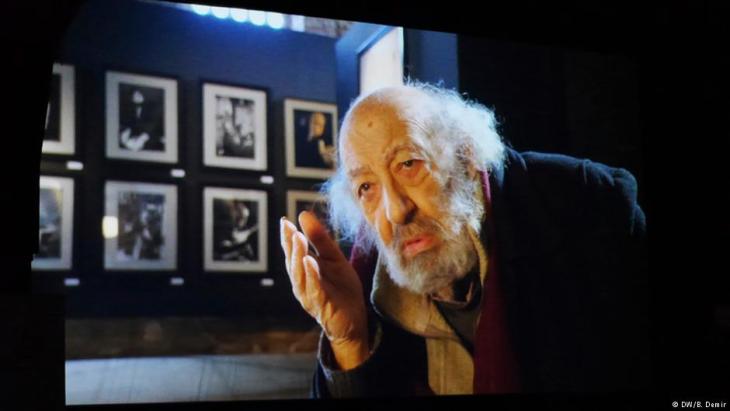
142	124
139	226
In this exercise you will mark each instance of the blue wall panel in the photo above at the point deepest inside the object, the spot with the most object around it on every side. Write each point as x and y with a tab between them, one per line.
157	40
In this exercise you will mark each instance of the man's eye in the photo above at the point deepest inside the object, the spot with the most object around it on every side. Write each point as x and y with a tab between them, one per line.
363	188
408	163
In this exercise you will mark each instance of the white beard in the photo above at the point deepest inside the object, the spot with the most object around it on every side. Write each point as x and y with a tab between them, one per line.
437	268
434	269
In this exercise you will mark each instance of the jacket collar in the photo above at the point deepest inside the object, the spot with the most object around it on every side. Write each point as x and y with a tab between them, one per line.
522	226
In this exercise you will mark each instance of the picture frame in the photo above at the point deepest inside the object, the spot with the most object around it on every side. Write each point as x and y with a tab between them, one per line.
56	225
235	230
60	131
310	131
234	127
140	226
141	117
299	200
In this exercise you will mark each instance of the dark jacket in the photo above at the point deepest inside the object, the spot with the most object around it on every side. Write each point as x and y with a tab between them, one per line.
571	257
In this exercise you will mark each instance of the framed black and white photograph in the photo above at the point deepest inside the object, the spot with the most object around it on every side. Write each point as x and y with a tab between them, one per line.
310	130
55	226
300	200
60	135
141	117
140	226
234	127
235	230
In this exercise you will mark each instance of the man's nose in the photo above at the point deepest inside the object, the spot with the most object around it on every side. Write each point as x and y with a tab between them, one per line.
399	209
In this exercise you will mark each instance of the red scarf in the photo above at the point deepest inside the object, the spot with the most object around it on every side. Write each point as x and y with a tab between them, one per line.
495	366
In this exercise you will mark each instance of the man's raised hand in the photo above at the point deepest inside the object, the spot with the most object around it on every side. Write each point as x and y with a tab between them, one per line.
327	287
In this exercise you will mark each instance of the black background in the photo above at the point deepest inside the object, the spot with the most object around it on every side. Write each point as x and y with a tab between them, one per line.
682	80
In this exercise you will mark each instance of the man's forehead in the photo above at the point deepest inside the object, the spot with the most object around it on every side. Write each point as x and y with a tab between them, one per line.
374	139
375	123
376	126
371	114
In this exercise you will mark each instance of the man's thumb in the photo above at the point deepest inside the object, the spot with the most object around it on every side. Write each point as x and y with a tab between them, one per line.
317	233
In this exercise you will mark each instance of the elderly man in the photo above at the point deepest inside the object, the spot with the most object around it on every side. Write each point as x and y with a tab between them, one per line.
475	269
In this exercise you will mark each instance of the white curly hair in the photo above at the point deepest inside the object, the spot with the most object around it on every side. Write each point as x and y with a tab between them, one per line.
451	128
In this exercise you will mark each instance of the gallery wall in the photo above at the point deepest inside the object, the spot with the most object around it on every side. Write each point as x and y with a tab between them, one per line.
150	39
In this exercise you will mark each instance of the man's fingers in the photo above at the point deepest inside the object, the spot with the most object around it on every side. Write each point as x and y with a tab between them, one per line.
314	287
297	274
319	236
312	268
286	229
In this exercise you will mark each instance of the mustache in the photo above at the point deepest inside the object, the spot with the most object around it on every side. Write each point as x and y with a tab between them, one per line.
419	225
